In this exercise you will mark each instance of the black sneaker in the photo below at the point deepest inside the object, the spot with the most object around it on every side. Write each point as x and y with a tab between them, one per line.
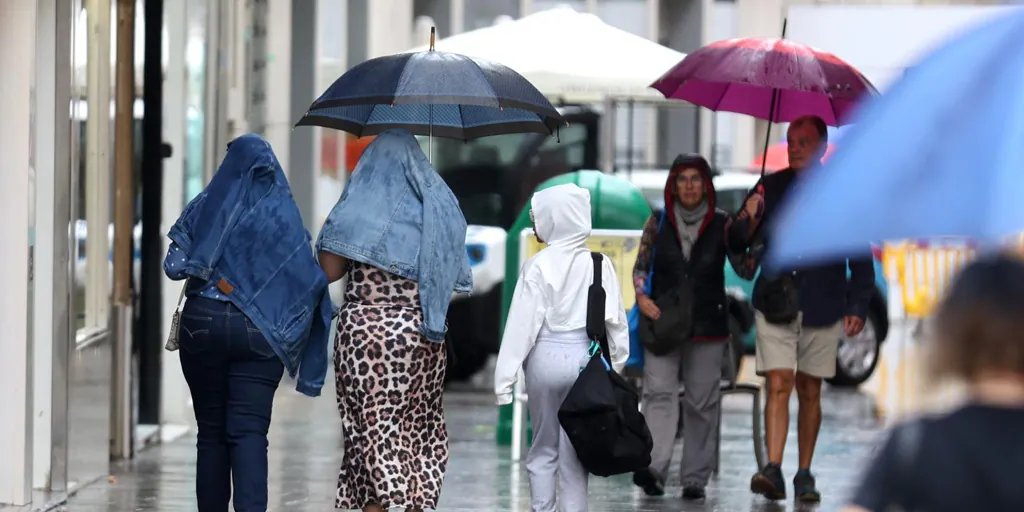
693	493
769	482
804	487
650	483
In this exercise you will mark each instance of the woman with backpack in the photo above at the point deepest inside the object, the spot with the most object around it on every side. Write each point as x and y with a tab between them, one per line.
545	335
679	279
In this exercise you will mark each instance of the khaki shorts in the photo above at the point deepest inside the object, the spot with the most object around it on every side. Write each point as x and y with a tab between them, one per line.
808	350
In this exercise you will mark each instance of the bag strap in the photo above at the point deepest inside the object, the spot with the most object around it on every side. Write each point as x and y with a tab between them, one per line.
181	297
654	246
595	308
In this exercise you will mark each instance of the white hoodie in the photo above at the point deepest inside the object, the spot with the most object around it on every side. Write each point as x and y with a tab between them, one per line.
552	288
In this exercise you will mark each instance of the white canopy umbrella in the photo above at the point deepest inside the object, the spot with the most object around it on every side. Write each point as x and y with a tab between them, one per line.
569	55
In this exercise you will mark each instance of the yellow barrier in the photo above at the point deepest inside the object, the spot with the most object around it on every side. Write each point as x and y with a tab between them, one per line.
918	275
921	273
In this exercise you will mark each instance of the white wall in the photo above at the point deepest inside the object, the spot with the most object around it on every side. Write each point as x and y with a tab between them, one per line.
17	41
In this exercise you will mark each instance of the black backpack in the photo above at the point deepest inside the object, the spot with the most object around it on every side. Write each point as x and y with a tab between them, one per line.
601	414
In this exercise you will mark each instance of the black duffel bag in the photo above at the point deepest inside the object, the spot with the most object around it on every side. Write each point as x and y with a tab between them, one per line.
601	414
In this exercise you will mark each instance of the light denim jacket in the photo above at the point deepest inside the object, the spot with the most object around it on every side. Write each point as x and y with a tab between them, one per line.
398	215
245	228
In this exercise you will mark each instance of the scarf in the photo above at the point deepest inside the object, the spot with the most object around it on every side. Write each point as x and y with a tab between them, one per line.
688	224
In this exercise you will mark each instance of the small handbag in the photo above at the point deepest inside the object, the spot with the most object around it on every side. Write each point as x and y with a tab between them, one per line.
777	298
172	337
675	325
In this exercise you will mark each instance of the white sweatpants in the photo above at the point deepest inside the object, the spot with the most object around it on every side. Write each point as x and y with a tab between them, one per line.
551	369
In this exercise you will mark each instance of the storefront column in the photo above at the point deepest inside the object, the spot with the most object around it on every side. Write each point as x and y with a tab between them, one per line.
278	91
51	327
174	400
17	41
304	144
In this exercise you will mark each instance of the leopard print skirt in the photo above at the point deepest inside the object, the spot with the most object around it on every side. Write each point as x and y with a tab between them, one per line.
390	383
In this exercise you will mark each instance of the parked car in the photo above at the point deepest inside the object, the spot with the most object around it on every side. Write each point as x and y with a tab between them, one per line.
858	355
474	320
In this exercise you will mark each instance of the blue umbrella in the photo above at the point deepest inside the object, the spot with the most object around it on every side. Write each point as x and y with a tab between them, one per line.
940	154
433	93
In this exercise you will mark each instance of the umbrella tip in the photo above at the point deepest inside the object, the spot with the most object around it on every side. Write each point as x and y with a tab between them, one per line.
433	32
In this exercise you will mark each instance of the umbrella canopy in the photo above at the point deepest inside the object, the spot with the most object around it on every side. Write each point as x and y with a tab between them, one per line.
777	158
570	55
433	93
940	154
742	75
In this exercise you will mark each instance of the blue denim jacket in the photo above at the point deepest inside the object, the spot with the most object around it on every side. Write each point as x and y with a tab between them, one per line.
398	215
244	232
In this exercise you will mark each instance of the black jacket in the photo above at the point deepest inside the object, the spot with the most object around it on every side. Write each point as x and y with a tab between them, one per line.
826	293
705	268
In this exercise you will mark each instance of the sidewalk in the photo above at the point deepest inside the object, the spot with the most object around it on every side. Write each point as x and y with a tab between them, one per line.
305	452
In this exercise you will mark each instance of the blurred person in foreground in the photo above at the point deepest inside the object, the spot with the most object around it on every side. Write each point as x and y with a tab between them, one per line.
967	459
257	304
800	315
683	252
546	336
398	233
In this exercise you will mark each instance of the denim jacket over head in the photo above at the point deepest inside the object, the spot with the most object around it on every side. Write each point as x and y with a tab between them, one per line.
398	215
244	232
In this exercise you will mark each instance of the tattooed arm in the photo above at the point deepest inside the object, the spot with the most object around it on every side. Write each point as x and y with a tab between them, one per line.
645	255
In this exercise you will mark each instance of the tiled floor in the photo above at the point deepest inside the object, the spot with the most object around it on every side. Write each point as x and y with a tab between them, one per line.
305	454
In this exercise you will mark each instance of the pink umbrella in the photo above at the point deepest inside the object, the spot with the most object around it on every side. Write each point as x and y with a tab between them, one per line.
756	76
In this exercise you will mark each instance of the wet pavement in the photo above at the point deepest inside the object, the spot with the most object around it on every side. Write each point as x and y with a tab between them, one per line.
305	452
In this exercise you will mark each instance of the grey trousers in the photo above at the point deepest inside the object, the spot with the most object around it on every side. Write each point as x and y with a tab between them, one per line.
551	369
701	366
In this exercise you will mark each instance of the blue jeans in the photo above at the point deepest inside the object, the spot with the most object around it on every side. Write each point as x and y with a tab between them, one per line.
232	373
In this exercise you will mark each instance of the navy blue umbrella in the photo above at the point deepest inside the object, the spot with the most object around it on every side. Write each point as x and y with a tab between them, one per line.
433	93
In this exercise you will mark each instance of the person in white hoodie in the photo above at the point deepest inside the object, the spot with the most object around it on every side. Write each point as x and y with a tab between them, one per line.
545	334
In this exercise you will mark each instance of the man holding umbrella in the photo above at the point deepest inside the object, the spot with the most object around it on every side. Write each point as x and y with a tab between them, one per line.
801	314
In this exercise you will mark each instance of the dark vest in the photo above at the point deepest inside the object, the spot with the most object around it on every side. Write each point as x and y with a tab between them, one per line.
705	269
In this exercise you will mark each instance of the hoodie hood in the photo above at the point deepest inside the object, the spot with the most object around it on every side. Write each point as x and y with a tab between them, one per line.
561	215
564	269
690	161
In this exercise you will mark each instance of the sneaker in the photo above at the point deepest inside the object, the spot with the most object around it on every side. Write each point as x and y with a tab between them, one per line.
693	493
769	482
650	483
804	487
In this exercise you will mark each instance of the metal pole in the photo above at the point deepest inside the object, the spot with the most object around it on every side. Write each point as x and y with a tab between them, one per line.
150	329
122	430
608	136
629	139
